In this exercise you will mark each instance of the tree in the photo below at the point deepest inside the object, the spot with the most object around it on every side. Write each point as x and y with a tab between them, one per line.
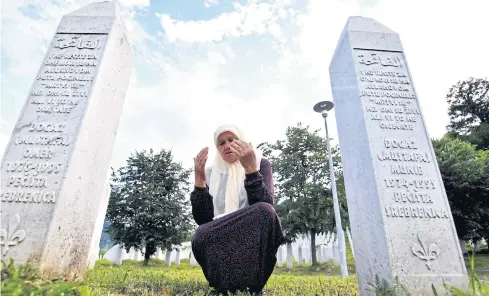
300	164
465	174
147	207
469	111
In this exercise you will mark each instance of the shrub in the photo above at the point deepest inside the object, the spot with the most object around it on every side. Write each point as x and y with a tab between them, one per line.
25	280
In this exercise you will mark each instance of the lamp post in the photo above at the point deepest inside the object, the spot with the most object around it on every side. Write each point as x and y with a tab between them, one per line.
323	108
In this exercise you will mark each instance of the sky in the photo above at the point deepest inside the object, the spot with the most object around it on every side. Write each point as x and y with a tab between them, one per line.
259	64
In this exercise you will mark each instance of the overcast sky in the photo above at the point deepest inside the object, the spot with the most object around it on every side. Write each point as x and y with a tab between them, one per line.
259	64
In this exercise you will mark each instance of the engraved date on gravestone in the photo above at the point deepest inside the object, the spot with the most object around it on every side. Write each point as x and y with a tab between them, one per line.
42	142
406	167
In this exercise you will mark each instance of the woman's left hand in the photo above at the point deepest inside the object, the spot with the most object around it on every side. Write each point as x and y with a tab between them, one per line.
246	155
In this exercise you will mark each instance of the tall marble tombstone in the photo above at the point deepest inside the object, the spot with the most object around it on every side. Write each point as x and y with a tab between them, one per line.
54	168
99	224
400	218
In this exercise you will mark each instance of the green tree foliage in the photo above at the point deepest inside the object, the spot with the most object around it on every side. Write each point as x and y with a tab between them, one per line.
469	111
465	173
147	207
300	164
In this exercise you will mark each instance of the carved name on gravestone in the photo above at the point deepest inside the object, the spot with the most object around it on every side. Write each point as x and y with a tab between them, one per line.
54	169
400	218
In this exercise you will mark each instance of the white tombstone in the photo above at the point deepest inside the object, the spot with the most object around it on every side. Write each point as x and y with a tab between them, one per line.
336	253
300	256
319	255
99	224
329	251
158	254
401	220
93	256
193	261
280	260
126	255
114	253
120	256
177	257
185	249
54	167
350	241
295	251
322	249
289	256
309	254
168	257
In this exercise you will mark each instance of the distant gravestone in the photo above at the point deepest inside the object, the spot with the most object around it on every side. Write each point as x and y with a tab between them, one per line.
54	168
399	214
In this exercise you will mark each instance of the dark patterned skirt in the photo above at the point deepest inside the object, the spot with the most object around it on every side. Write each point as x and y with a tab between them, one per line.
237	252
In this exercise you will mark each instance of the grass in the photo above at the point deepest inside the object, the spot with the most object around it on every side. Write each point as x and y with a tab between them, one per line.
132	278
481	265
481	260
26	281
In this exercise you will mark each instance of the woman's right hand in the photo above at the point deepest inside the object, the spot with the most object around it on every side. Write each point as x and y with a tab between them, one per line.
199	168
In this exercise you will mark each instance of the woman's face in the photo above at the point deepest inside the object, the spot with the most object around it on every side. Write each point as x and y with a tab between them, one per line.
223	145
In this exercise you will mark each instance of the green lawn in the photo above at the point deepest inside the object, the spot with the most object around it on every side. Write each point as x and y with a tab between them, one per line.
132	278
481	265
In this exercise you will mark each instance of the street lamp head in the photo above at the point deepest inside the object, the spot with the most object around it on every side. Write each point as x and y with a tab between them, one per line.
323	107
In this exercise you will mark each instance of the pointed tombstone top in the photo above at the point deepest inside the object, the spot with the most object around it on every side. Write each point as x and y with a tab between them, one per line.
105	8
367	33
94	18
366	24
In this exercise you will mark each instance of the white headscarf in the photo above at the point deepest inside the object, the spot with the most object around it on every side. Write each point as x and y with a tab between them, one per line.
234	190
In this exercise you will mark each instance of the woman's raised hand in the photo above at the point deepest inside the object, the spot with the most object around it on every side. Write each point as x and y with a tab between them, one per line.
246	155
199	167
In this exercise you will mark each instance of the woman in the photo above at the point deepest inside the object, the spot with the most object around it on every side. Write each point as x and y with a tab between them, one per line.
239	232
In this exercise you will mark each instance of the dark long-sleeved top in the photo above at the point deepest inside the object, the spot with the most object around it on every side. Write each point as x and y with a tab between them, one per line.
258	186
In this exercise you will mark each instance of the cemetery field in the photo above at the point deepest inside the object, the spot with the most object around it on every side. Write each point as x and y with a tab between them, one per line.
132	278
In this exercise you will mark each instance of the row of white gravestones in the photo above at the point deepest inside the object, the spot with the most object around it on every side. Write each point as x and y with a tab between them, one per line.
54	166
399	212
327	248
117	254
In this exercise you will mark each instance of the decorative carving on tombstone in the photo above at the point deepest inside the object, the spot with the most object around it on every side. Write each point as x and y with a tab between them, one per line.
12	236
427	254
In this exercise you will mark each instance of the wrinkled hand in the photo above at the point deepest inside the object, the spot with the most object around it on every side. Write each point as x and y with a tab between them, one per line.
246	155
199	167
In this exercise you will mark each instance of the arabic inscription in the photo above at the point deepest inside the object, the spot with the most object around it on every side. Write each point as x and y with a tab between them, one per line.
80	42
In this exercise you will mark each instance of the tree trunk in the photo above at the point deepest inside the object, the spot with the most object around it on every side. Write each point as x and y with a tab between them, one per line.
149	250
313	247
146	258
476	246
